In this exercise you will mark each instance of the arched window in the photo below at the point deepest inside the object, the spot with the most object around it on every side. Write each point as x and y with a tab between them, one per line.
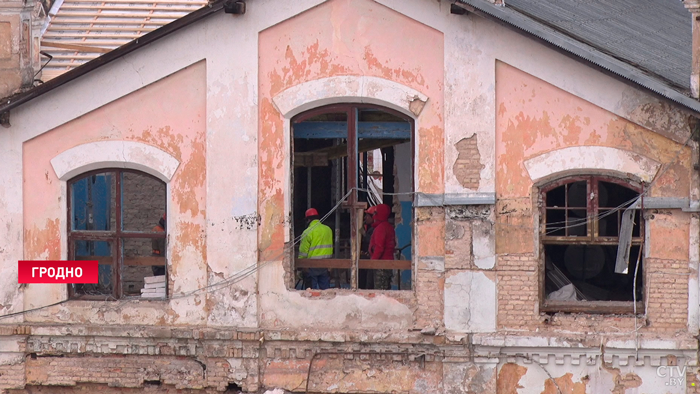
365	154
118	217
591	251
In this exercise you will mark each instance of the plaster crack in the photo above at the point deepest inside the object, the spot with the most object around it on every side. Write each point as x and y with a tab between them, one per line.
135	70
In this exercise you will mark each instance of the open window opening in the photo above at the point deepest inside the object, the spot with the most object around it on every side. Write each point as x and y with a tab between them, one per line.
591	251
358	158
118	217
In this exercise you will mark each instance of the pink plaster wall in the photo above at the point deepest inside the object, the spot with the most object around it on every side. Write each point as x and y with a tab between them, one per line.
534	117
344	37
168	114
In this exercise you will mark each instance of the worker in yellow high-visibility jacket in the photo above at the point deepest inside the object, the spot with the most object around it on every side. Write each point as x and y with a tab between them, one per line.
316	243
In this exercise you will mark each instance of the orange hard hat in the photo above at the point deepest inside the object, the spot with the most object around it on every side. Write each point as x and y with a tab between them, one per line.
371	210
311	212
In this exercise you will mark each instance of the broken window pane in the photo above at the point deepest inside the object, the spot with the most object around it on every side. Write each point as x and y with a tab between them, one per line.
582	268
591	270
577	194
577	222
556	222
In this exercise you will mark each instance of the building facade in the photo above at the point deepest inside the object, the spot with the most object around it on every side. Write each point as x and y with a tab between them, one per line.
551	210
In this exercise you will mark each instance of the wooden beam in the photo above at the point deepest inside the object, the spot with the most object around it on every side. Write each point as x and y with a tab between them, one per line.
77	57
59	21
51	30
127	8
144	261
115	16
101	260
127	37
347	264
82	48
158	2
87	42
323	263
607	307
385	264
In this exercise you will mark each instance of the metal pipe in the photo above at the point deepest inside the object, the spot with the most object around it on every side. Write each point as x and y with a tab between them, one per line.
308	187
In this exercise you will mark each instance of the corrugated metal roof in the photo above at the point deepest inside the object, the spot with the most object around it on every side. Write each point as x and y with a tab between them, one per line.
652	35
82	30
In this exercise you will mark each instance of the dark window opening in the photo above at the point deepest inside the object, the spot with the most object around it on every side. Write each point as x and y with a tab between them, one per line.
117	217
365	151
581	239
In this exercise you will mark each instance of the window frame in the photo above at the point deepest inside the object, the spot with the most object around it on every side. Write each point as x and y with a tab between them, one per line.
116	237
356	207
592	238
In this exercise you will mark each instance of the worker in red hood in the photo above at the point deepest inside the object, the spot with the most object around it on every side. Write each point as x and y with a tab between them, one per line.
383	241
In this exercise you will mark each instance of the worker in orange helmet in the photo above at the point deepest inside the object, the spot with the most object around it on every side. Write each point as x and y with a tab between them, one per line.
316	243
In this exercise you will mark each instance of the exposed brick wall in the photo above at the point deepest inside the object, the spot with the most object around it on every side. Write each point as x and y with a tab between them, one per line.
458	245
218	360
429	276
430	287
517	291
93	388
12	376
667	286
467	168
115	370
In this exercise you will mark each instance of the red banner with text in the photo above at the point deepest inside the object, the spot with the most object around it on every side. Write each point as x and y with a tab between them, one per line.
58	271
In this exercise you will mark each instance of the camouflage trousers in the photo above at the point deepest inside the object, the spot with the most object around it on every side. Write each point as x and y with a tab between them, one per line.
382	279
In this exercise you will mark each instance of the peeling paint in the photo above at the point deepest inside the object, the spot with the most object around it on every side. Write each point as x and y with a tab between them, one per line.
44	243
509	378
564	385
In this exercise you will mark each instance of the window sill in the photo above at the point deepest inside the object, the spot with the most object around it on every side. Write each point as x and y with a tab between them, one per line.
366	293
111	299
347	264
593	307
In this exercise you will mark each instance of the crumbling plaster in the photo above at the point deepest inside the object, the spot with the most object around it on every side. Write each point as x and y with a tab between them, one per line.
320	68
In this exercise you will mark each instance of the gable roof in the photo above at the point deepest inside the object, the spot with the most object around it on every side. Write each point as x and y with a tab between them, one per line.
78	31
647	42
633	46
